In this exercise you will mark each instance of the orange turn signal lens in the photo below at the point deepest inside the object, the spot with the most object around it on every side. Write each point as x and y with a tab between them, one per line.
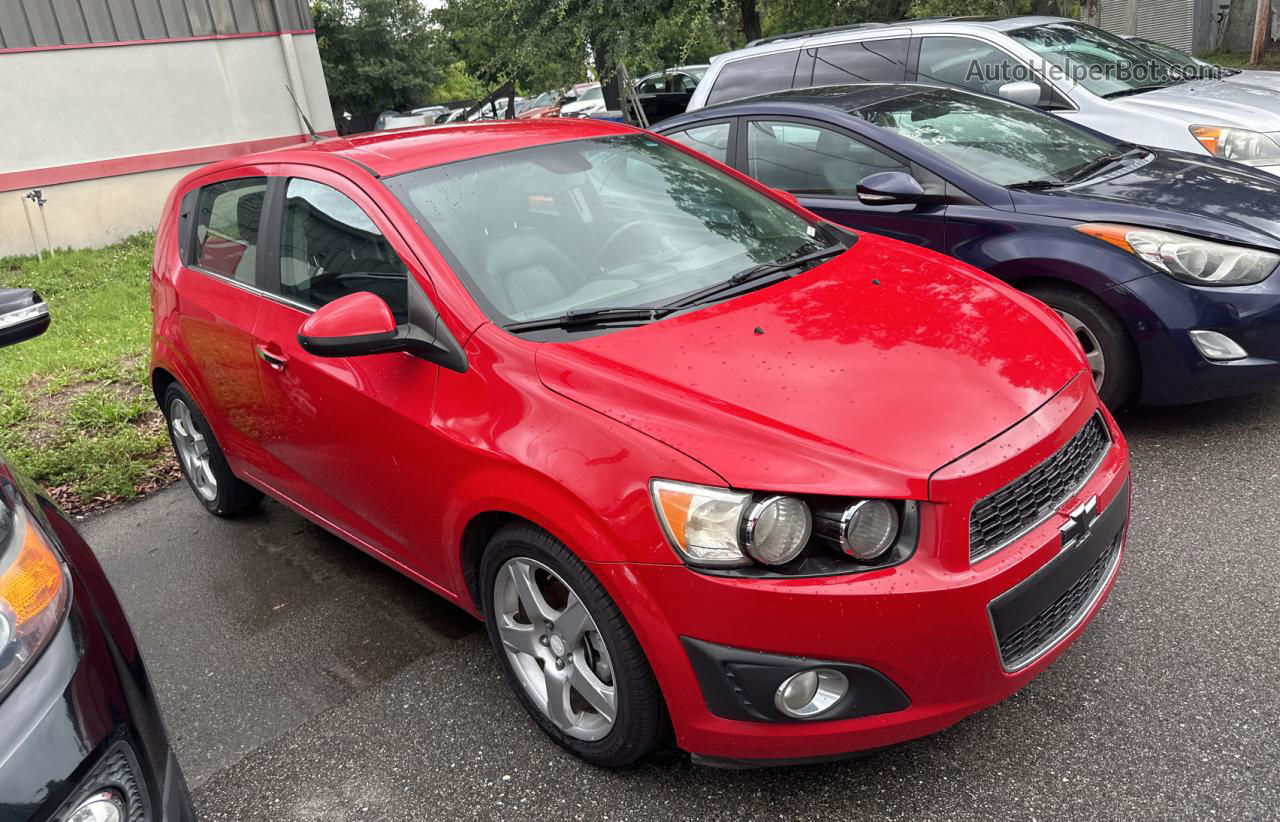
34	582
1207	136
1117	235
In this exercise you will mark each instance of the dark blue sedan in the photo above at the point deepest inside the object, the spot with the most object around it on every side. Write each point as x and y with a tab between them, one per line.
1159	261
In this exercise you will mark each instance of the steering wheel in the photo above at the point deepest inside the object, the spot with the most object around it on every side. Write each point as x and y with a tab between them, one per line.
621	230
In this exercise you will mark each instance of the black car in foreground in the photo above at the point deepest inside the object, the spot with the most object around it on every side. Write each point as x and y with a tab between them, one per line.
81	738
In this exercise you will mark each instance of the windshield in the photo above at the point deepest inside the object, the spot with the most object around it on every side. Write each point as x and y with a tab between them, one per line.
614	221
546	98
999	141
1101	62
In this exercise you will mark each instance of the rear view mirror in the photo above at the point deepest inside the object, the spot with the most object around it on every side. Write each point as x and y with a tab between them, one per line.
890	188
362	323
1023	91
23	315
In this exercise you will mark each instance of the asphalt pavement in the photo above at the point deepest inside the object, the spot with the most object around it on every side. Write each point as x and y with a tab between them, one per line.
302	680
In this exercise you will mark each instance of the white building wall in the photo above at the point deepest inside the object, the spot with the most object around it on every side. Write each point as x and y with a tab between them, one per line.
76	113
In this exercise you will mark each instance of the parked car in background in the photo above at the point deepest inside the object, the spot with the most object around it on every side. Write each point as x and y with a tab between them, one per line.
546	104
81	737
1074	70
451	116
1161	262
587	101
666	93
1195	68
654	422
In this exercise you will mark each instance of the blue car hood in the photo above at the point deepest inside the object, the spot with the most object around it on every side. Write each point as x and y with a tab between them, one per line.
1174	191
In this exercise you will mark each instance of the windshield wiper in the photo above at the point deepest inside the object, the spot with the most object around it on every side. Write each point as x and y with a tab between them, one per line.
758	272
1036	185
580	317
1125	92
1098	163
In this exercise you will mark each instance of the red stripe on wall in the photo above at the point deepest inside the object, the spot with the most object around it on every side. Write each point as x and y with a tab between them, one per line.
157	41
79	172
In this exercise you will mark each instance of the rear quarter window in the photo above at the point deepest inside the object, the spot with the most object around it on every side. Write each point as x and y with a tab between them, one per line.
755	75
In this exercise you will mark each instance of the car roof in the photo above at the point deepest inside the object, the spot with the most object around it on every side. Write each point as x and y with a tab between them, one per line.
386	153
847	99
841	34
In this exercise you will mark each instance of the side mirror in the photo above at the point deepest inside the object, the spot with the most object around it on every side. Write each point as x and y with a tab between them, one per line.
23	315
362	323
786	195
1023	91
890	188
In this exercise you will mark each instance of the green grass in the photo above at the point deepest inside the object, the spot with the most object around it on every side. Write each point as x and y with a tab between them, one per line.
1240	60
76	413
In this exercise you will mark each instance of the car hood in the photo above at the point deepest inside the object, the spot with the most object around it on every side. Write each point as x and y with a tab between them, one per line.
1213	103
1176	191
861	377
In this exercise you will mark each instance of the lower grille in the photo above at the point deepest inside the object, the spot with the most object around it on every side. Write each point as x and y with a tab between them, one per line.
1046	628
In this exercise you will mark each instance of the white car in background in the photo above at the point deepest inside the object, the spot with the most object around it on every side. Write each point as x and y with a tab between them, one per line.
590	101
1078	72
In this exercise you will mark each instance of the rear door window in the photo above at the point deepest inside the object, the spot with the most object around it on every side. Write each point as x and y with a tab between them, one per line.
870	61
809	160
754	75
331	248
711	140
228	220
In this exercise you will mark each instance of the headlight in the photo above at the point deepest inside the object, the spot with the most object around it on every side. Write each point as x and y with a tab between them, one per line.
701	522
777	529
717	527
1189	259
33	598
1241	145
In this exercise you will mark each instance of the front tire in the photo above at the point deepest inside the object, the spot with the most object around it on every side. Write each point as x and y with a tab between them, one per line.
222	493
1107	345
567	651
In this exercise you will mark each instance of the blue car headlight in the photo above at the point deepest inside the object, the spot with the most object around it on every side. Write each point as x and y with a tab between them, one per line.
34	596
1192	260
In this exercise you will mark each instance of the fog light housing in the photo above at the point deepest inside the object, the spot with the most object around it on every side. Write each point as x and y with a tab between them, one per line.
104	806
809	694
1218	347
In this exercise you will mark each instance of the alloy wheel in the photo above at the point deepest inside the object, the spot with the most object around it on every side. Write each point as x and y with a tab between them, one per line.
555	649
193	450
1089	342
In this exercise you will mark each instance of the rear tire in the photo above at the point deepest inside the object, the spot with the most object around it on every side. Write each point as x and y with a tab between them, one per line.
203	463
591	653
1104	338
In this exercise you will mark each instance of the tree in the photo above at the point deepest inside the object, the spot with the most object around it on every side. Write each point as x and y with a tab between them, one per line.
378	54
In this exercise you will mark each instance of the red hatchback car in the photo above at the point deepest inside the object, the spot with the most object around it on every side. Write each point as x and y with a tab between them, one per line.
699	459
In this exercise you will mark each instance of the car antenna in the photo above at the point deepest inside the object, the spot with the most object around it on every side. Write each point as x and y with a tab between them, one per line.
305	121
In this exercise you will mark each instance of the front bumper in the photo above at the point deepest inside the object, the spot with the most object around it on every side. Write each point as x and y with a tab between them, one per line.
1160	312
925	626
83	717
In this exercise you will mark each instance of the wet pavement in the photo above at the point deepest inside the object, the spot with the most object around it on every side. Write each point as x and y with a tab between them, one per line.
302	680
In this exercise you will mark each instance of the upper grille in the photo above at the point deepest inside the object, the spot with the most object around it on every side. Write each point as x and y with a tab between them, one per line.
1042	631
1002	516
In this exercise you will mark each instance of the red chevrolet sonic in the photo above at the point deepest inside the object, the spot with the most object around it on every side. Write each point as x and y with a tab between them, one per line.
700	460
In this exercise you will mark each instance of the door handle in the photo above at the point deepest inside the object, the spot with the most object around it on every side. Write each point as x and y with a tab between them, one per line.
276	361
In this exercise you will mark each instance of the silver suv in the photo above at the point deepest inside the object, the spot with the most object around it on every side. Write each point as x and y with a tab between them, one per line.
1079	72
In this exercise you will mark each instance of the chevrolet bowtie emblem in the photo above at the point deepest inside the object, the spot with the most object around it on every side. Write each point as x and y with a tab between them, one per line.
1076	529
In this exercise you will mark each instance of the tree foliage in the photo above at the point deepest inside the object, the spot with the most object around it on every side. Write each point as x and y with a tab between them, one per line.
378	54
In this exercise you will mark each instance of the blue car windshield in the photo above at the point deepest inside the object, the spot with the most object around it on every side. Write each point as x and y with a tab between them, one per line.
1002	142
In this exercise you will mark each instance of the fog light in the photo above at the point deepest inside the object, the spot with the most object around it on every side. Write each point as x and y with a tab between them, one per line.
810	693
101	807
1215	346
